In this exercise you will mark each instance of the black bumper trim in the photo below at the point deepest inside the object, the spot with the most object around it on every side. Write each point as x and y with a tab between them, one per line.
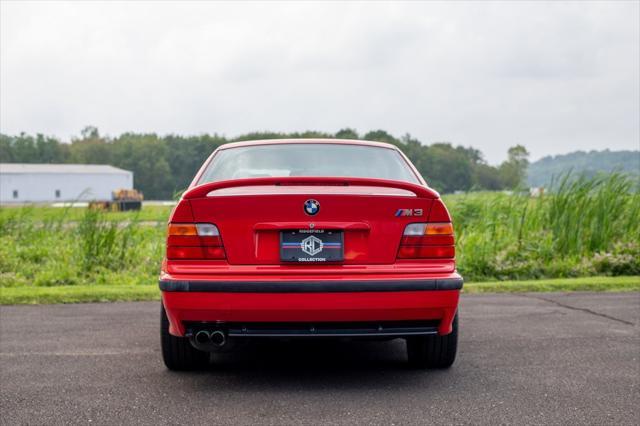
321	329
310	286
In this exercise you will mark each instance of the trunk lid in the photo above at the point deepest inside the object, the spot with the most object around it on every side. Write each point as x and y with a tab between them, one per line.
251	214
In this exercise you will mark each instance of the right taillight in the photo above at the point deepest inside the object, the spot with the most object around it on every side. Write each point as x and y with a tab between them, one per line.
427	241
194	241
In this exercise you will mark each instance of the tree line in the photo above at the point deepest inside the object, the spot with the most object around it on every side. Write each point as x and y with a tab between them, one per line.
165	165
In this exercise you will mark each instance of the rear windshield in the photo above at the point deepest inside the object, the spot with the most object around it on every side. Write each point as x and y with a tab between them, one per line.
308	160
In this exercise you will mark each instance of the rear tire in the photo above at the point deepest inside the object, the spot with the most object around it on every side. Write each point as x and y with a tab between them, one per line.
433	351
177	352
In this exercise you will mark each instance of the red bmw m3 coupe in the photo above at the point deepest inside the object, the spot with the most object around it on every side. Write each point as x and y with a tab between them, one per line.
309	238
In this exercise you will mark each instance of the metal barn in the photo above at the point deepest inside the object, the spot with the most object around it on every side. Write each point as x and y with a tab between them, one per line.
42	183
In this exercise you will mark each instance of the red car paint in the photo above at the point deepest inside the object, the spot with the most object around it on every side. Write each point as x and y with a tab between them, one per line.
250	215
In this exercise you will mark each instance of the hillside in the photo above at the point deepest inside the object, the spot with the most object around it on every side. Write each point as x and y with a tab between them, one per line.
590	163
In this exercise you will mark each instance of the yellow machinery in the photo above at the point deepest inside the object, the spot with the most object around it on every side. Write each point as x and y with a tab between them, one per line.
121	200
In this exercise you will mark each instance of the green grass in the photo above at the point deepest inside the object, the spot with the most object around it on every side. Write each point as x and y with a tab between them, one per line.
144	292
78	294
585	228
559	284
43	213
94	250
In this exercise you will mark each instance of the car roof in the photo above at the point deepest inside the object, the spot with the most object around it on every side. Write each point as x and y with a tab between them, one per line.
307	141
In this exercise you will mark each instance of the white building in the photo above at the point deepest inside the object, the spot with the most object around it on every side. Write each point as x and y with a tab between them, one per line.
24	183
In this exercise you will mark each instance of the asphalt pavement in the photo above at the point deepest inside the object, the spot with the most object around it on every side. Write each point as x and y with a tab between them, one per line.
523	359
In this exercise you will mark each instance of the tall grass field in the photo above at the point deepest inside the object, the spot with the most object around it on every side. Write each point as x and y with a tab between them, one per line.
584	228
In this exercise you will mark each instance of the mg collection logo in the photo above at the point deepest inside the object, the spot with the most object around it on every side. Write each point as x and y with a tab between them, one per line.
311	245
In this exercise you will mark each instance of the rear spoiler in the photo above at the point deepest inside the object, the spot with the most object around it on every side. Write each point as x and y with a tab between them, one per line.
200	191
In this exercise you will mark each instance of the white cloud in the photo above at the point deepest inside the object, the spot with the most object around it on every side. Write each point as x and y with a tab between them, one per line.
555	77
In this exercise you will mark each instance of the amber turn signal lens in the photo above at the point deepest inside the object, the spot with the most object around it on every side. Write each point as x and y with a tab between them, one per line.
439	229
419	229
182	229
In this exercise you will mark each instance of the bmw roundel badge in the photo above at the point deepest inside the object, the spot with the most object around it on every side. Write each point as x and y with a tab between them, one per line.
311	207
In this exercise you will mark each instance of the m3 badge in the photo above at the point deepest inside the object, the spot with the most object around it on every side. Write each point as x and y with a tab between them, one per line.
408	212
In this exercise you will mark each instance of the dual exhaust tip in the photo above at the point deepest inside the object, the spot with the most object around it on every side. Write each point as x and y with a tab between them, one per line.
215	338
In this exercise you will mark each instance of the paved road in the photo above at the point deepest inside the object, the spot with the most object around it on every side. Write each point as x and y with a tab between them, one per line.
544	358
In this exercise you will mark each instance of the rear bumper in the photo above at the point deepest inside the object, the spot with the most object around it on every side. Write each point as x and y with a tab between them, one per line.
314	301
333	286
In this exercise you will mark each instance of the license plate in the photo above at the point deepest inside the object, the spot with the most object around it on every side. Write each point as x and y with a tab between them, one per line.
311	245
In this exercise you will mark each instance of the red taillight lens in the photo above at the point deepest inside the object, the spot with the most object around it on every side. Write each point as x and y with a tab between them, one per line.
213	252
194	241
427	241
179	252
426	252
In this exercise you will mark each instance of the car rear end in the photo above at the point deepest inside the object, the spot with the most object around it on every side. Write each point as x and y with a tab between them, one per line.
251	254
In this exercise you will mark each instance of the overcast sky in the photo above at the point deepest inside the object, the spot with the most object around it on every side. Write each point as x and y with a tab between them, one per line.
555	77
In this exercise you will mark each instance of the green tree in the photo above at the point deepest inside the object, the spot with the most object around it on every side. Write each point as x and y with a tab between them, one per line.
6	149
487	177
381	136
446	168
24	149
187	155
347	133
147	156
91	148
50	150
514	170
90	132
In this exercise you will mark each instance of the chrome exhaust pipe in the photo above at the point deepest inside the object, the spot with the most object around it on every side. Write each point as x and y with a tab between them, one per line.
203	337
217	338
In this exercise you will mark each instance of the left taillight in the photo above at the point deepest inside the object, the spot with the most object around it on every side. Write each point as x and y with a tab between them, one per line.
194	241
427	241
